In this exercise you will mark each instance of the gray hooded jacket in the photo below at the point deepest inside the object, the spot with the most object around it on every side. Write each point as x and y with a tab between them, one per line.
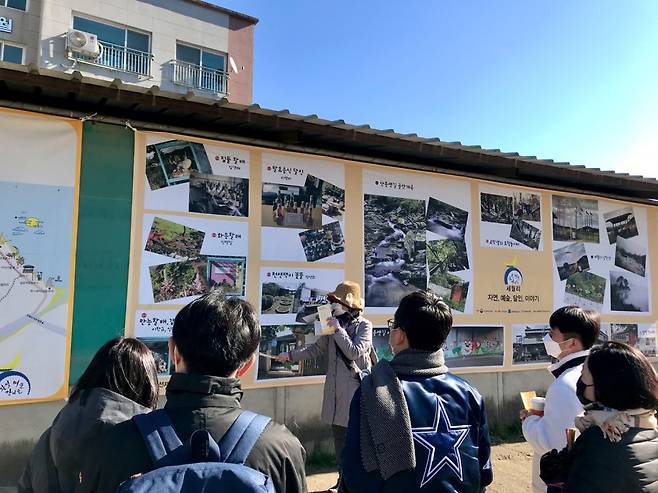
57	459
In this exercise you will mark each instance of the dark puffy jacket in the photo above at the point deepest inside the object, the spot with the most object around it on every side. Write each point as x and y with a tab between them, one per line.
452	457
199	402
629	466
57	458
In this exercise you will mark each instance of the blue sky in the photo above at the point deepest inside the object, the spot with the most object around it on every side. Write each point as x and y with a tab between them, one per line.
570	80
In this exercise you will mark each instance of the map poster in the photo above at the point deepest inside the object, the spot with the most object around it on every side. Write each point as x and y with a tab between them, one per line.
302	210
417	235
185	176
37	216
184	257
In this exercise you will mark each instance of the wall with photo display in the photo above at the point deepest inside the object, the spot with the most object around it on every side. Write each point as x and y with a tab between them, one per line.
281	229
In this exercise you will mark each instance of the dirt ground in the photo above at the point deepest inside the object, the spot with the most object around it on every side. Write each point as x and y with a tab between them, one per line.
512	465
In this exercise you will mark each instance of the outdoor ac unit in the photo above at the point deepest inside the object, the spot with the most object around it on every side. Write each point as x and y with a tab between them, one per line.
84	43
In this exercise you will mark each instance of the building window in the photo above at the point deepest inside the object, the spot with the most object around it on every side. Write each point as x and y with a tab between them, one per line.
10	53
14	4
121	48
199	68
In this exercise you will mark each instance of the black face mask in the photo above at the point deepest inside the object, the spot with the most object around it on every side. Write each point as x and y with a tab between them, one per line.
580	392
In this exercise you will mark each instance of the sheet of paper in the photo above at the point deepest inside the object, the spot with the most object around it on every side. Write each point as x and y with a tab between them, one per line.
527	397
324	313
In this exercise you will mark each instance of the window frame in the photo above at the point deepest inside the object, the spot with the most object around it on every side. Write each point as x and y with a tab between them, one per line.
117	26
3	3
13	45
201	51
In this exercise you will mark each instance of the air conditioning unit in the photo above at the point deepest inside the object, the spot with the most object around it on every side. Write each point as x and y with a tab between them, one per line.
83	43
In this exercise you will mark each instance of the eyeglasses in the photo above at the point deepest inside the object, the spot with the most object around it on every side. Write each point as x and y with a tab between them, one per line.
391	324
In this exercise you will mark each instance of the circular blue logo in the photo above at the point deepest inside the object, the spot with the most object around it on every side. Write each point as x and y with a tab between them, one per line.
14	384
513	277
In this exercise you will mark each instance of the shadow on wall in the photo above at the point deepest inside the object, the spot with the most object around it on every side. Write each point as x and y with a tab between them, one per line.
13	459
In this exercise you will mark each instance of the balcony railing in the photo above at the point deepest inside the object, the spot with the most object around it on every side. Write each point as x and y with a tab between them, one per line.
119	58
207	79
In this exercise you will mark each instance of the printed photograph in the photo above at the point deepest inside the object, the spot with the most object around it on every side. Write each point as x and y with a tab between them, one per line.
631	255
174	240
227	274
292	206
284	298
628	292
620	223
322	243
496	208
527	344
446	220
526	206
646	341
220	195
452	289
525	233
575	219
395	249
179	280
380	343
278	339
446	256
626	333
468	346
160	350
571	259
586	290
176	160
333	200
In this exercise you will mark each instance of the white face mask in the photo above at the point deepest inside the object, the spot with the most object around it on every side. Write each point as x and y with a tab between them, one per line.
552	348
337	309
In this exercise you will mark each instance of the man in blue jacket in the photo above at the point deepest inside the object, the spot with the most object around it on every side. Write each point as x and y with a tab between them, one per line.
413	425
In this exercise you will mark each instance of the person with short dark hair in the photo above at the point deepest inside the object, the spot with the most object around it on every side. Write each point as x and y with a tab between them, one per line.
618	445
120	382
213	344
573	331
414	426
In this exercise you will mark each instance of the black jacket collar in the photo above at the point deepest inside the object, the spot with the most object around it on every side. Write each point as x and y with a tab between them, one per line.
193	390
559	368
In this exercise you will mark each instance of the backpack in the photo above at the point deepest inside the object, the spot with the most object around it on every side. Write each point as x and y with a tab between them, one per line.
201	464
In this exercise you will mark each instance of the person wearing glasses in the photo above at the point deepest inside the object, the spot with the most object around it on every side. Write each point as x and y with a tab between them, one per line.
350	356
414	426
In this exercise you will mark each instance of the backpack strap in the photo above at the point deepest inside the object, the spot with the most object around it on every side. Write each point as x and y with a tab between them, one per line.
158	433
239	440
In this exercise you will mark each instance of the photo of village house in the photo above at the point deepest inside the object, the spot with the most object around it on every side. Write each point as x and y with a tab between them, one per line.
174	240
628	292
283	298
220	195
575	219
620	223
496	208
292	206
322	243
452	289
446	220
527	343
571	259
526	206
446	256
179	279
631	255
626	333
394	249
468	346
333	200
160	350
170	163
277	339
227	274
380	343
525	233
586	290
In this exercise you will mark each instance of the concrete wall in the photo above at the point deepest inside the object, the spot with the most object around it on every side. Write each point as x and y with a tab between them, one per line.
298	407
25	32
167	21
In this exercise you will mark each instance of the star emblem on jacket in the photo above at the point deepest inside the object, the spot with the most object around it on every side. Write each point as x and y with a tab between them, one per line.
442	441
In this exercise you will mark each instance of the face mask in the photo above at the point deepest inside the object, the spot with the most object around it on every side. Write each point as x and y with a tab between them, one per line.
552	347
580	392
337	309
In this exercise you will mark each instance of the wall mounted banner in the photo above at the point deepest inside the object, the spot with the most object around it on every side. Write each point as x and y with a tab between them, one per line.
38	209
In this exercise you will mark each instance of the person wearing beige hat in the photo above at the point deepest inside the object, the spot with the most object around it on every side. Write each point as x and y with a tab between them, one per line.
349	356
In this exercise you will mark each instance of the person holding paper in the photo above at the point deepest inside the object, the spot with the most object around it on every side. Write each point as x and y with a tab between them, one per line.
573	332
349	354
